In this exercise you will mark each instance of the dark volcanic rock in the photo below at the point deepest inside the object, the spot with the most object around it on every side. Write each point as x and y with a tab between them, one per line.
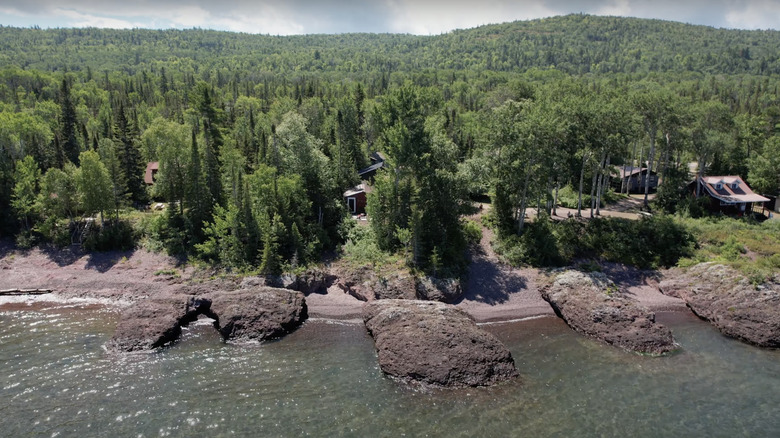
155	322
258	313
435	343
730	302
313	280
592	305
366	285
446	290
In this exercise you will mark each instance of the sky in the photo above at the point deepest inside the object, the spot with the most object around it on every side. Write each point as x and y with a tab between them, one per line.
421	17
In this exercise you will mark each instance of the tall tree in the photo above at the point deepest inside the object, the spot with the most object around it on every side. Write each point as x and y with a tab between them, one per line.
25	189
68	140
94	184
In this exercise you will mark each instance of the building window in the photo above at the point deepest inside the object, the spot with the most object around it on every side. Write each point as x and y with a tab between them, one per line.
735	185
718	186
352	204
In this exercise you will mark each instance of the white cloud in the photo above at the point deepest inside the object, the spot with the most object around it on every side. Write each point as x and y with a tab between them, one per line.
78	19
437	16
760	14
284	17
617	8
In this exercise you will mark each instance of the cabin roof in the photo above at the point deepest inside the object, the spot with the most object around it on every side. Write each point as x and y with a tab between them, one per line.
728	192
151	168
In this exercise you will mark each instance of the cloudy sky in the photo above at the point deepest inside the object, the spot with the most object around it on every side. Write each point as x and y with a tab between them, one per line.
285	17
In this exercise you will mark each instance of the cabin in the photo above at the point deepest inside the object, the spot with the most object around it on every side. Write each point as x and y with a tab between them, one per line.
633	178
151	172
357	199
377	162
728	194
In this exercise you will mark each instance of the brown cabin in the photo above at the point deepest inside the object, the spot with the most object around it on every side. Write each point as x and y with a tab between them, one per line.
728	194
633	178
151	172
356	198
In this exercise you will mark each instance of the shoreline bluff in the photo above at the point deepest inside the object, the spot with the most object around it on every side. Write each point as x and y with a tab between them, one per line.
122	278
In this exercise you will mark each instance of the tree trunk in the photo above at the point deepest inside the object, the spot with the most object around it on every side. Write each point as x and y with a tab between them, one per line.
582	181
625	182
650	158
603	186
593	184
523	200
555	199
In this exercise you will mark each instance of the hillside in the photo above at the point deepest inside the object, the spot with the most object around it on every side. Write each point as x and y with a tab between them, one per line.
574	44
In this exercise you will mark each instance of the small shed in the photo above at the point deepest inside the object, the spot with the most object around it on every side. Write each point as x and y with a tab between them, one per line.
356	199
151	172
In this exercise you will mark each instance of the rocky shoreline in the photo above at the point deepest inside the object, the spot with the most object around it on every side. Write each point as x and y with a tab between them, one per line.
593	305
730	302
159	298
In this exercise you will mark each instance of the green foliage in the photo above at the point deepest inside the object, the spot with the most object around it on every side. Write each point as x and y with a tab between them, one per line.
472	232
747	246
653	242
361	248
25	189
93	183
114	235
257	138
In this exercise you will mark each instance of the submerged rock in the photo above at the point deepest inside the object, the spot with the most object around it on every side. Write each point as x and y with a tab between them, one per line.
155	322
258	313
435	343
592	305
730	302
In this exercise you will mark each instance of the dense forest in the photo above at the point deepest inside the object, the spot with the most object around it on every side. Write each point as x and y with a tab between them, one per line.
258	136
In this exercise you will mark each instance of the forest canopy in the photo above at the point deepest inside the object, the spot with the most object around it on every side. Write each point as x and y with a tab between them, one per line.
257	137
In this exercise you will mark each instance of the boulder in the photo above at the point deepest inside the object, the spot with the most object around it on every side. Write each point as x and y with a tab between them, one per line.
592	304
258	313
435	343
730	302
446	290
156	322
366	285
313	280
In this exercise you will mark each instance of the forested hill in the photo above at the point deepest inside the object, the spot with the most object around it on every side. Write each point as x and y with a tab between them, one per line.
574	44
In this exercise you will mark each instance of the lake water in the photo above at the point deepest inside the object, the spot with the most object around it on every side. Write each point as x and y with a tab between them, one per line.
323	380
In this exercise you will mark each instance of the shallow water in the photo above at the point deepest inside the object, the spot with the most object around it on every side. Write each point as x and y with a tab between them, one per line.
323	380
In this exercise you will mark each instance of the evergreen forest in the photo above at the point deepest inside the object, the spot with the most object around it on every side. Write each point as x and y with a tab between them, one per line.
257	136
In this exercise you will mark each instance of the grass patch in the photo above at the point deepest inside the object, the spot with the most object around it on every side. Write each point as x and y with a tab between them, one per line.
168	272
750	247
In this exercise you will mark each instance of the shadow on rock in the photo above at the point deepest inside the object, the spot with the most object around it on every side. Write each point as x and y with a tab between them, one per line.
490	282
104	261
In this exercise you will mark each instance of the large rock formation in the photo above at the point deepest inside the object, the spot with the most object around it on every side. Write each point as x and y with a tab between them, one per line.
446	290
157	321
255	313
258	313
730	302
435	343
312	280
366	285
592	305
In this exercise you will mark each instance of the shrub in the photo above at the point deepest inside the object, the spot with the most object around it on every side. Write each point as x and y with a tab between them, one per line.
114	235
472	231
